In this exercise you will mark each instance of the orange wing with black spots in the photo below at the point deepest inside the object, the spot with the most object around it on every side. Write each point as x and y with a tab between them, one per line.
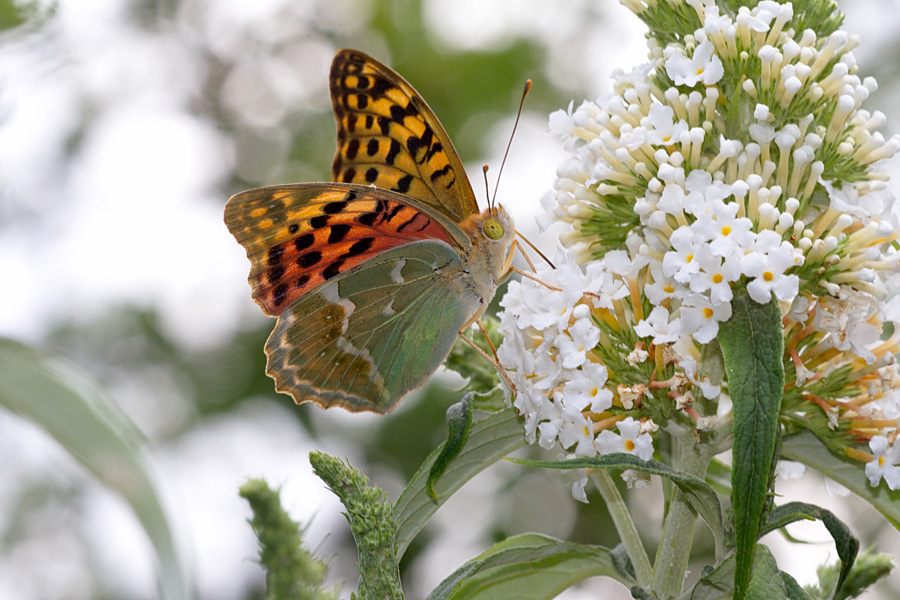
387	136
299	236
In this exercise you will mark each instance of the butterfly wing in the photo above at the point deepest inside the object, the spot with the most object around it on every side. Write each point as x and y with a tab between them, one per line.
390	138
300	236
372	334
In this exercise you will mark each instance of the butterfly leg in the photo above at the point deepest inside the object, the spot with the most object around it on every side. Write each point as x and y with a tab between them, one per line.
507	264
490	359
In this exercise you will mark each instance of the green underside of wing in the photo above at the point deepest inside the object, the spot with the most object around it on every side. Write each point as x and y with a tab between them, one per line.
371	335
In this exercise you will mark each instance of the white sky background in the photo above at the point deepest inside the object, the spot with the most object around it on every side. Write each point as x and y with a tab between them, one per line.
136	217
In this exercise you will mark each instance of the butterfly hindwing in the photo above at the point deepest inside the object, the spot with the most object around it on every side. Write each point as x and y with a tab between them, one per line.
366	338
390	138
300	236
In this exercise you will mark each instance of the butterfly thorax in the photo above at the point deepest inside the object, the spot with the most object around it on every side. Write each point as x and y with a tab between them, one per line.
487	258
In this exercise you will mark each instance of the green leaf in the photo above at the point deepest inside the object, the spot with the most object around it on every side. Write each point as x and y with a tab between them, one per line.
292	571
490	439
804	447
77	414
715	583
765	578
699	494
845	543
459	420
869	567
766	581
793	589
752	344
527	567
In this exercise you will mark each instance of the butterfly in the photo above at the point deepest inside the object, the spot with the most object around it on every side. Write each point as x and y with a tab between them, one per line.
373	275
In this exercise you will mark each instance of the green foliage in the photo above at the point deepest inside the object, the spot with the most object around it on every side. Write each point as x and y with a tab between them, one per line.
700	495
846	544
372	523
459	419
292	572
489	440
57	397
867	570
528	567
752	345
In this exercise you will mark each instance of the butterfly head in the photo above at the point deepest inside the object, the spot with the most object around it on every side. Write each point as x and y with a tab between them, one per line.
492	233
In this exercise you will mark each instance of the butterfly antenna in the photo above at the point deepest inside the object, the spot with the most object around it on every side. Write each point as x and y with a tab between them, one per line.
487	186
509	143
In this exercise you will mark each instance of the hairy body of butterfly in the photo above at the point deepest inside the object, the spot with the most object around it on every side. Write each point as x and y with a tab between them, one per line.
371	276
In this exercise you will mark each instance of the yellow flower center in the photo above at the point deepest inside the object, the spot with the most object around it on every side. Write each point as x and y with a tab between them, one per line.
768	276
717	278
629	445
726	230
708	312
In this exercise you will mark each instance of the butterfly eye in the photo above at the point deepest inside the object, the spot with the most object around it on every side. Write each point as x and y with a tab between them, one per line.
492	229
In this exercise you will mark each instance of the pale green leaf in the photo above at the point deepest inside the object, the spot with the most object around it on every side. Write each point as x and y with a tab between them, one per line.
490	439
527	567
77	414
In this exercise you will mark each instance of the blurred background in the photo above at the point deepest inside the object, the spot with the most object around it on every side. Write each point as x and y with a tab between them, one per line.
124	127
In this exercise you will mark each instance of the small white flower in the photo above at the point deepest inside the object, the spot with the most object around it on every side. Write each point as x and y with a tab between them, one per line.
681	263
767	270
661	127
658	326
576	341
788	469
576	434
585	388
855	336
636	479
561	122
715	277
884	466
835	489
703	67
629	440
701	318
727	233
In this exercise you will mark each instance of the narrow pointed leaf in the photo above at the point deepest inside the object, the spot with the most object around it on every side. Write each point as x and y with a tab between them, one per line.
699	494
527	567
459	421
752	344
490	439
79	416
804	447
845	543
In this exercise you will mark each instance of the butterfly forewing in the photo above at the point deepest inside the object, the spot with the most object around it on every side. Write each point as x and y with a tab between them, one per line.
388	137
371	335
300	236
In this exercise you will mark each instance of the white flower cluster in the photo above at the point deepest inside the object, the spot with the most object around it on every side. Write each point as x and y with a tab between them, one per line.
737	158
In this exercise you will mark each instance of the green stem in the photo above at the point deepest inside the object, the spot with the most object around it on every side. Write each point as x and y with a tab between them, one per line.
674	550
628	533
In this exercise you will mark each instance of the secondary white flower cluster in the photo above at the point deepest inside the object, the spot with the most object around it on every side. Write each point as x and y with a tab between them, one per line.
738	158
